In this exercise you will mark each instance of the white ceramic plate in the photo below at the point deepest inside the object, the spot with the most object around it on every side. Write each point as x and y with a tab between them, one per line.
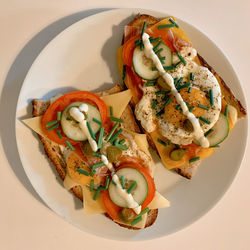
83	57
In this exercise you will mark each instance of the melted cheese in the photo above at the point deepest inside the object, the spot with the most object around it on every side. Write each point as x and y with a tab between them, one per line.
158	202
69	183
35	124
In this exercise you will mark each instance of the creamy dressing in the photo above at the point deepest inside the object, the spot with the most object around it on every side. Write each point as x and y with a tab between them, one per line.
198	132
77	114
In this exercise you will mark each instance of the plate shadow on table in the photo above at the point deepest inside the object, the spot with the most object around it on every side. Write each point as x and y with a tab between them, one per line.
13	84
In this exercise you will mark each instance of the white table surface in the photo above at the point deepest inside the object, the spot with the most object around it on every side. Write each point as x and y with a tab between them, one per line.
25	222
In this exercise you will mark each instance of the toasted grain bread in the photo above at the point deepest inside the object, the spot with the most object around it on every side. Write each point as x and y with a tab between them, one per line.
189	170
53	151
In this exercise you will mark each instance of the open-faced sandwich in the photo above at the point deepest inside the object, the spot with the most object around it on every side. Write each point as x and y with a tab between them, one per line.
181	103
93	142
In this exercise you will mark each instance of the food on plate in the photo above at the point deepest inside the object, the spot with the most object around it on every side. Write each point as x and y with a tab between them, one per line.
94	144
181	103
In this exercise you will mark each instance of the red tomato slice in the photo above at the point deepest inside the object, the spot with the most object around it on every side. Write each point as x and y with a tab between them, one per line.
61	103
112	209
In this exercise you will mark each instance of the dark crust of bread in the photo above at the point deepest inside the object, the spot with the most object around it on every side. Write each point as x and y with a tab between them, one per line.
140	19
52	150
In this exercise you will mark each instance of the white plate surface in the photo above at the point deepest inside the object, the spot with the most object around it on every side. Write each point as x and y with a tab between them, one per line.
83	57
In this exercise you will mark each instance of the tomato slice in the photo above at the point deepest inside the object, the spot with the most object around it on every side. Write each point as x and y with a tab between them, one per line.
61	103
111	208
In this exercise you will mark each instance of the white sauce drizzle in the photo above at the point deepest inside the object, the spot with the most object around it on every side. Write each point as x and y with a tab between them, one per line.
77	114
149	52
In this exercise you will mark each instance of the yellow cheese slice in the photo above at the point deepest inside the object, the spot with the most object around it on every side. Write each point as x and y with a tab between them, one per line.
68	182
158	202
35	123
91	206
118	101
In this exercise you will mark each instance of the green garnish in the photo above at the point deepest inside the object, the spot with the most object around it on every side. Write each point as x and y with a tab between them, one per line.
68	119
161	112
59	134
97	121
173	22
91	131
194	159
122	180
167	101
97	165
136	220
97	155
112	131
123	72
97	193
177	64
116	119
123	147
82	171
69	145
51	123
53	127
153	40
143	212
111	111
149	84
162	142
204	120
59	115
191	108
92	173
156	46
100	139
183	86
162	59
226	110
169	67
191	76
203	107
92	185
189	90
162	92
178	107
132	186
155	102
181	58
137	42
112	139
158	51
143	29
122	141
166	26
177	146
107	183
211	96
208	132
178	82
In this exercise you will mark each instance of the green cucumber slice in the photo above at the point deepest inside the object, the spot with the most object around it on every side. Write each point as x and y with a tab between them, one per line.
139	193
220	131
71	128
143	65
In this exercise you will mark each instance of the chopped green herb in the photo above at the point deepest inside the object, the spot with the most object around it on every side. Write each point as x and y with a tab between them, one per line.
107	183
181	58
97	165
123	147
226	110
53	127
97	193
161	112
97	121
203	107
162	59
169	67
178	107
167	101
156	46
122	180
161	92
82	171
97	155
51	123
112	131
153	40
100	139
149	84
143	212
158	51
154	69
191	76
92	185
114	119
208	132
68	119
179	82
177	64
204	120
189	90
162	142
138	42
122	141
90	131
211	96
143	29
59	115
59	134
191	108
141	46
112	139
138	219
183	86
166	26
69	145
155	102
177	146
111	111
194	159
131	188
123	72
92	173
173	22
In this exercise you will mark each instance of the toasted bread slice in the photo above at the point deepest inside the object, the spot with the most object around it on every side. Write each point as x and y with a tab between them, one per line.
53	151
189	170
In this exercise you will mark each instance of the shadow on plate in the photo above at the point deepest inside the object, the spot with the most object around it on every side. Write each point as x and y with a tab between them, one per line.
13	84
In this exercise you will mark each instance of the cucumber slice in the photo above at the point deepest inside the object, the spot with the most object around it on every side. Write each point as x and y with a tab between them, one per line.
139	193
220	131
71	128
143	66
